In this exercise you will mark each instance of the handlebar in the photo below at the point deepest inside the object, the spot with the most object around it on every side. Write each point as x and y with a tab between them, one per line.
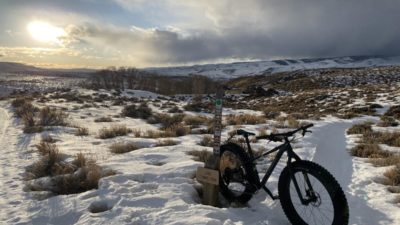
281	136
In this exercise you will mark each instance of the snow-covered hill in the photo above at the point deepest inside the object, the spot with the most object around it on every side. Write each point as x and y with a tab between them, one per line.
233	70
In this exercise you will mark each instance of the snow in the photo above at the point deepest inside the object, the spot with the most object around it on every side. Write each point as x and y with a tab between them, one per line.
155	185
233	70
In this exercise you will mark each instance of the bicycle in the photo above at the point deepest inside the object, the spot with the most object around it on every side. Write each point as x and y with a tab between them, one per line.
305	188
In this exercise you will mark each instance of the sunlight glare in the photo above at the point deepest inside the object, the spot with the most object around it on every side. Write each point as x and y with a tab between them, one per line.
45	32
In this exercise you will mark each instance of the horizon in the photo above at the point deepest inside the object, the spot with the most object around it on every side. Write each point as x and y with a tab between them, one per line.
166	33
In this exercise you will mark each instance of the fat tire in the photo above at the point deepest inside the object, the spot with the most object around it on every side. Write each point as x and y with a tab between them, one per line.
340	205
249	175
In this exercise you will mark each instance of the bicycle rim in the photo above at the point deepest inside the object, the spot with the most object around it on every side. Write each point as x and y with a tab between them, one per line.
318	212
232	173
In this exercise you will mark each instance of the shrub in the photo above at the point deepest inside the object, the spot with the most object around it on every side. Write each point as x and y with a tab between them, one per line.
177	130
175	109
244	119
166	120
82	131
45	166
166	142
142	112
119	148
360	128
393	176
388	121
196	121
200	156
27	107
388	161
103	119
52	117
394	111
45	148
114	131
207	141
20	101
369	151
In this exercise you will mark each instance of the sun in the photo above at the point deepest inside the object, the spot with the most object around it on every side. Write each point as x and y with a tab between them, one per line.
45	32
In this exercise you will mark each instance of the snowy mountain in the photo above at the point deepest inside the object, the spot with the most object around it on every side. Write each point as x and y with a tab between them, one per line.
233	70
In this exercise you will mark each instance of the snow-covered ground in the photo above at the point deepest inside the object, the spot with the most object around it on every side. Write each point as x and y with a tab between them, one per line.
233	70
156	185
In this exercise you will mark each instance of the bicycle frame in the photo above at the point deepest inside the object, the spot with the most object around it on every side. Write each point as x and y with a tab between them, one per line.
281	149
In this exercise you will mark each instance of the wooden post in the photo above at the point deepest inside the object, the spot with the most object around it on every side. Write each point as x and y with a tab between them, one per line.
210	189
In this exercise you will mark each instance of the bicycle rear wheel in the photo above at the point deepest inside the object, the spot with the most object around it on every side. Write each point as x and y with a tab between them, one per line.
327	203
235	177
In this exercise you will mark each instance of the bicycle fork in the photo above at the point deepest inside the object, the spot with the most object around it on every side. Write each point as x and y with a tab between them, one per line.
309	191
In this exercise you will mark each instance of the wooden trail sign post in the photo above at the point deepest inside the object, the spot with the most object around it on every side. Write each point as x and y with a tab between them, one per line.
209	175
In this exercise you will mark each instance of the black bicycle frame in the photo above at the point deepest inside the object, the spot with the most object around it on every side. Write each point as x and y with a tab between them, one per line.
285	147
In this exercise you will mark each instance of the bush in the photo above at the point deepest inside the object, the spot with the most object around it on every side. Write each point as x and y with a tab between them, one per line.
52	117
114	131
82	131
196	121
20	101
394	111
27	107
166	142
360	128
200	156
46	148
388	121
119	148
175	109
103	119
207	141
393	176
369	151
142	112
244	119
178	130
166	120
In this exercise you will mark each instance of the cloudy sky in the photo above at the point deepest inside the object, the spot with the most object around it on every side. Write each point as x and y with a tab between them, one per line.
143	33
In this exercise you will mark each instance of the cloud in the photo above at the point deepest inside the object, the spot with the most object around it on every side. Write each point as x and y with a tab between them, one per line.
279	28
170	32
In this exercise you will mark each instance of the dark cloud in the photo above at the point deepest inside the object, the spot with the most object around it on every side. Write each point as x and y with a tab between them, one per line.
260	29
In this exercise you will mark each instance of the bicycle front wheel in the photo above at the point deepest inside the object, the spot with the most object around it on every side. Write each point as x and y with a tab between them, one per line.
324	201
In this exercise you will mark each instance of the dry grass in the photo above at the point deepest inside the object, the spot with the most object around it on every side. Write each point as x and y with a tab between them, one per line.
45	148
120	148
207	141
388	161
166	142
142	111
48	139
67	178
394	111
166	120
113	131
362	128
388	121
388	138
82	131
52	117
103	120
369	151
200	155
244	119
177	130
287	122
393	176
195	121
